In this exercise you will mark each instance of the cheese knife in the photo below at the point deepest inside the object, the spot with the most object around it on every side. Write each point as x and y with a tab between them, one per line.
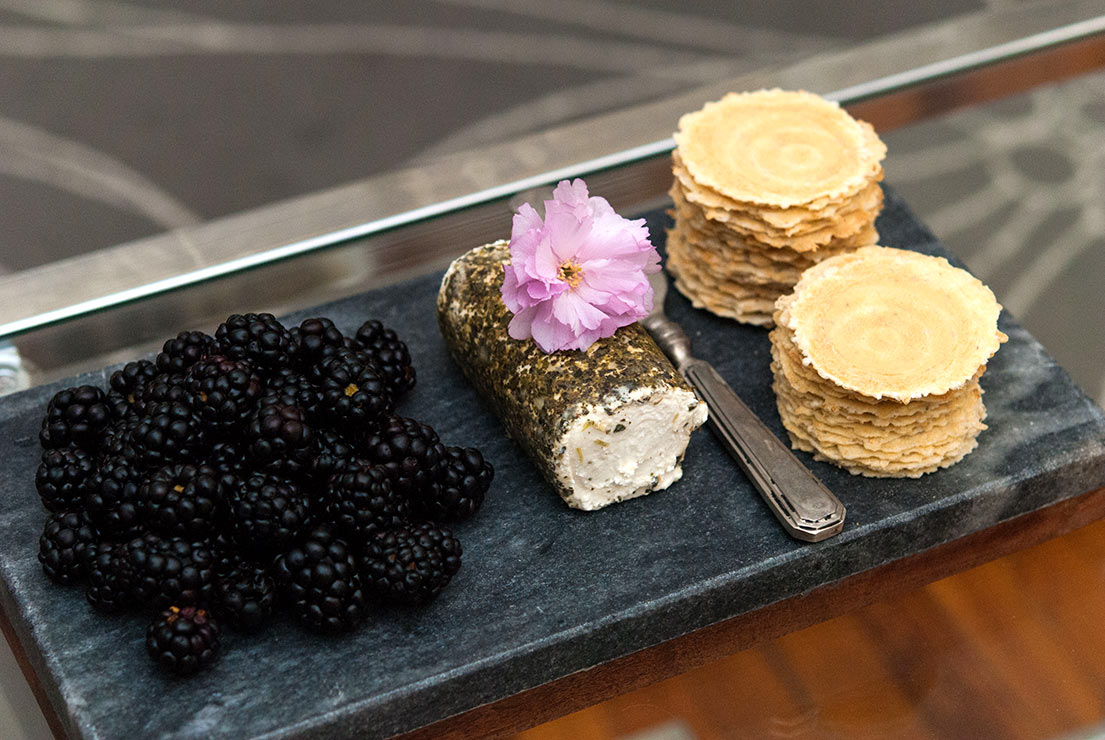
807	509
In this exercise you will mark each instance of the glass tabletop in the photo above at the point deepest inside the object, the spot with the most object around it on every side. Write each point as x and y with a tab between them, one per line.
216	108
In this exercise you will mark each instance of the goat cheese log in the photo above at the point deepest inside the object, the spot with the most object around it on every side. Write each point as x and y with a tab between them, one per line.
604	425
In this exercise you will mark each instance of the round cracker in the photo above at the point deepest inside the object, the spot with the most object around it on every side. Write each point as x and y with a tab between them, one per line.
890	323
778	148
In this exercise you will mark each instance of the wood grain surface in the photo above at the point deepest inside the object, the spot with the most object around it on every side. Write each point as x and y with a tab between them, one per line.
977	86
37	688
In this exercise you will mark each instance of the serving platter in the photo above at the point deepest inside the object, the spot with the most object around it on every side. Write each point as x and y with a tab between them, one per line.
545	591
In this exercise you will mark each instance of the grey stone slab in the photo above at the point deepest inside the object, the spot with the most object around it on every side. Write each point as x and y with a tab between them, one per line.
544	590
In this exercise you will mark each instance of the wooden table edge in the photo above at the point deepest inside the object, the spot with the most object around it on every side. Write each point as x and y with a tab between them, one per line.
593	685
53	719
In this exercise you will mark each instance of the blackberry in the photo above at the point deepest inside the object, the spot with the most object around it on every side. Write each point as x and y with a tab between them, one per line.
266	513
257	337
112	497
319	579
63	477
228	462
290	382
446	543
117	441
390	354
126	384
64	548
181	353
228	557
163	572
108	586
335	456
410	565
183	640
280	440
246	597
228	458
75	416
315	340
287	385
412	454
352	393
169	433
462	481
182	499
165	388
362	501
225	392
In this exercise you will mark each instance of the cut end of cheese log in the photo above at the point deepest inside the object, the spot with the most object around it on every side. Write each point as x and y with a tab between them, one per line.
626	448
604	425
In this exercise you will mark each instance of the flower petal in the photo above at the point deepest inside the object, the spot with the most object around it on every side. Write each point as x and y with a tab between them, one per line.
614	256
550	334
567	231
586	338
570	309
510	290
572	196
538	290
545	264
525	220
520	325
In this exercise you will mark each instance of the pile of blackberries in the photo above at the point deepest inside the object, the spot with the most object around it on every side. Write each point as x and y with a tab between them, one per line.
258	469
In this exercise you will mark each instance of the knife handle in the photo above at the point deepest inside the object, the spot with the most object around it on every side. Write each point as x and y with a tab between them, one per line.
670	337
802	504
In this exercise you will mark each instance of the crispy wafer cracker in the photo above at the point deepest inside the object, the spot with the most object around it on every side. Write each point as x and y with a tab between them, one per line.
804	378
795	219
914	467
778	149
876	361
766	185
891	442
874	421
891	323
804	236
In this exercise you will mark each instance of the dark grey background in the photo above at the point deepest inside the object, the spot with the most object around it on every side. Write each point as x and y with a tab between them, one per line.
119	120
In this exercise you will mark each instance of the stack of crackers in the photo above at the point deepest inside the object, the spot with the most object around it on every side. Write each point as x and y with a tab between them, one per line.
876	358
766	185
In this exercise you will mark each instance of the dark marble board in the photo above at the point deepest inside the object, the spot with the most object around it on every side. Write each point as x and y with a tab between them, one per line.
545	590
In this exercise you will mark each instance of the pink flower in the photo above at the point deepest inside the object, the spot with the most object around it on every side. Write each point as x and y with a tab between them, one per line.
580	274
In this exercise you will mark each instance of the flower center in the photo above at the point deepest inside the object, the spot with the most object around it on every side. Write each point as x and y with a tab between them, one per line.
571	273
